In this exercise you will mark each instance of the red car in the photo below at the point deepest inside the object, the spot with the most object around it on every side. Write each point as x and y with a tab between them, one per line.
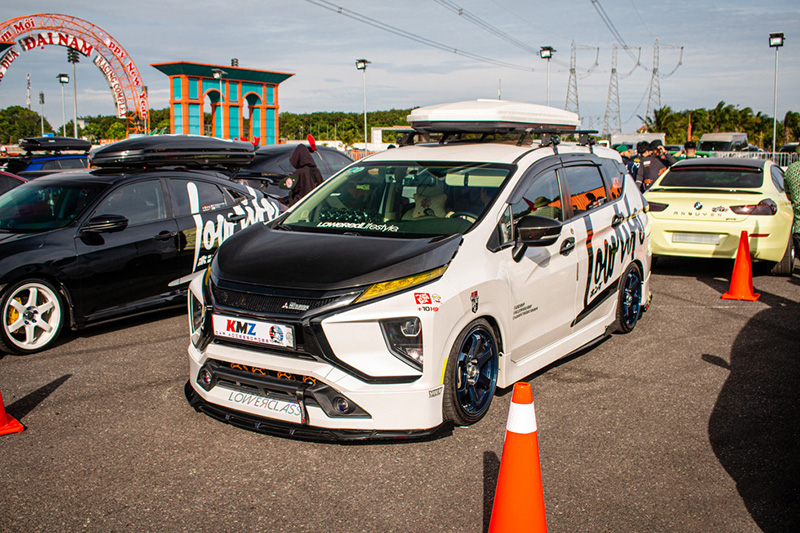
8	181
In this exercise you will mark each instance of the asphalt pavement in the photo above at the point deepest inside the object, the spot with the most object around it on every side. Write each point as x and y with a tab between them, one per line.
689	423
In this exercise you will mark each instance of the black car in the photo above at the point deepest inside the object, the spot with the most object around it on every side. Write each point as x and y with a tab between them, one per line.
48	155
83	247
271	164
8	181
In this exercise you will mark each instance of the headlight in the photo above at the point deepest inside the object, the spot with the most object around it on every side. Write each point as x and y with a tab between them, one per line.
197	311
197	316
390	287
403	337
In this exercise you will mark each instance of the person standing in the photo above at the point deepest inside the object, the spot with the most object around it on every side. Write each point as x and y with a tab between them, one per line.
791	180
307	175
689	151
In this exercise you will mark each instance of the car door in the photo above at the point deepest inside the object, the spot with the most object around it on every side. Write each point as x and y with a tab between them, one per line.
543	284
204	214
131	268
596	221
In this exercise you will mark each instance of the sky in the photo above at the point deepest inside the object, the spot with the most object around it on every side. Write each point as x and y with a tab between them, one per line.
726	55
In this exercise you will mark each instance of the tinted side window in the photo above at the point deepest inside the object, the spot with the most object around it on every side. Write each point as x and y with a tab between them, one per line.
614	173
543	198
138	202
51	165
586	188
336	161
777	177
73	163
208	196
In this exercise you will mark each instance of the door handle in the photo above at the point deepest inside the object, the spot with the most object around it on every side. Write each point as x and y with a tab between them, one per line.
233	217
617	220
567	246
165	236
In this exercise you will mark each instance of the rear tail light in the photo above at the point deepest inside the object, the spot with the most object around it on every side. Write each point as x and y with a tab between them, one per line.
656	207
764	207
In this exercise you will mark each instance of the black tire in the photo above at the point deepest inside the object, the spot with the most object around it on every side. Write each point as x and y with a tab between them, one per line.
32	314
785	266
470	378
629	303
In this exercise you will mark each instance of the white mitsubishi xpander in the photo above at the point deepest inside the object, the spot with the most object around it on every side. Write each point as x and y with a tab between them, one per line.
393	299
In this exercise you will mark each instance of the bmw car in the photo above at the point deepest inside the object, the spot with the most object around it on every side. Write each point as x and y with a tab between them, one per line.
700	207
83	247
394	299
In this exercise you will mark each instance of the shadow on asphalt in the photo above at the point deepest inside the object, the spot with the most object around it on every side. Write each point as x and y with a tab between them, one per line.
753	428
491	471
28	403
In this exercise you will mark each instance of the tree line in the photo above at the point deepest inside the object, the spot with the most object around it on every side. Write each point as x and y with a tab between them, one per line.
17	122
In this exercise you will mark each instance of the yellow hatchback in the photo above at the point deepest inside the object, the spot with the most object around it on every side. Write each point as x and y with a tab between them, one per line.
700	207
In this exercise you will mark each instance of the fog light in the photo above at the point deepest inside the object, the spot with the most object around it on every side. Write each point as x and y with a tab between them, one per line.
204	378
341	404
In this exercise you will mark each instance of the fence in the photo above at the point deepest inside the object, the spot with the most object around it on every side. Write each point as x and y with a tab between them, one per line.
782	159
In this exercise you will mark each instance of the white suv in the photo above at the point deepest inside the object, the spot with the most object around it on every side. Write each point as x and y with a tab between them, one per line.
394	299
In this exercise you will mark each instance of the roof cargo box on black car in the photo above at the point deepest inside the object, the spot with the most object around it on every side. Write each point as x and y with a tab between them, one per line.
174	150
54	144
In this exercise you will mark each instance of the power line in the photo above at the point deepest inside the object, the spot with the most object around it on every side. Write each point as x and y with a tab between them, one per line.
412	36
460	11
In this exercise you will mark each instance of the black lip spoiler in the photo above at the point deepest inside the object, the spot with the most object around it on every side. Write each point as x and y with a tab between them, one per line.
310	433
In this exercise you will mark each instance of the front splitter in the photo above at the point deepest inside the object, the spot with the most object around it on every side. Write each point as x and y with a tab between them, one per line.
309	433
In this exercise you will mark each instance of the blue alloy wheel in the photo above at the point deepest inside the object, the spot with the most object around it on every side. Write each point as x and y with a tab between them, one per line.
629	307
471	375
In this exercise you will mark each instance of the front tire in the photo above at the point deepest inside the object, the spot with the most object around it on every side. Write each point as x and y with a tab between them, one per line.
32	317
471	374
629	303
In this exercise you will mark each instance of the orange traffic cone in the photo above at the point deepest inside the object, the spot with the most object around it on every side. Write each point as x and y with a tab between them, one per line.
519	498
742	278
7	422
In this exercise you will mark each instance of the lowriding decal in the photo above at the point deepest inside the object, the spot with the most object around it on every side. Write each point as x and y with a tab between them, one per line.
602	277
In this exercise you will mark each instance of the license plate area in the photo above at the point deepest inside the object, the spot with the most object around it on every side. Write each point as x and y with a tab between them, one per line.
254	331
696	238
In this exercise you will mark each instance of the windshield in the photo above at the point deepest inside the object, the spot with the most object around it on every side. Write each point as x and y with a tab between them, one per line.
715	146
38	206
401	198
705	177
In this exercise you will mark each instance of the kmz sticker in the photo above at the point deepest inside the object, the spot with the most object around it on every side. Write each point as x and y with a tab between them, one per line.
474	299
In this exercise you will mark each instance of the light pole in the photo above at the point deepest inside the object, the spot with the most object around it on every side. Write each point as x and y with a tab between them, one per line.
546	52
72	57
361	64
775	41
41	115
63	79
218	73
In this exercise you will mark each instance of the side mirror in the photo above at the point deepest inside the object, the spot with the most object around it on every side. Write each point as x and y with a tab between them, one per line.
534	230
105	224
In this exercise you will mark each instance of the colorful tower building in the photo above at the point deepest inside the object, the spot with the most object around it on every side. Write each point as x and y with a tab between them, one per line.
230	89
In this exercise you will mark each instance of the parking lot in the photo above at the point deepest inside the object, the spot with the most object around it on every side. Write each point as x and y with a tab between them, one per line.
689	423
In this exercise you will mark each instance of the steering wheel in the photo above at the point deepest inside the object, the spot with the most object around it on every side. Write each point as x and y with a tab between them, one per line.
466	215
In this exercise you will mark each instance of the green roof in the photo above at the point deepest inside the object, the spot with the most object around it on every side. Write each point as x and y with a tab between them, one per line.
232	73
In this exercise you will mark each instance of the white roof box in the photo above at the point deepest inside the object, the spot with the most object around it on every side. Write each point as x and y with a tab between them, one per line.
491	116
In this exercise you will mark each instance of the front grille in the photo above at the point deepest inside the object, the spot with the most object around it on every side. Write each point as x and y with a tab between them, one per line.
273	305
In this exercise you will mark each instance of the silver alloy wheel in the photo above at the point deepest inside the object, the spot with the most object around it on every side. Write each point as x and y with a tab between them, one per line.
32	316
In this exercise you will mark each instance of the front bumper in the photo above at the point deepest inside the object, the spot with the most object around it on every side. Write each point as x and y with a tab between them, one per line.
302	432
